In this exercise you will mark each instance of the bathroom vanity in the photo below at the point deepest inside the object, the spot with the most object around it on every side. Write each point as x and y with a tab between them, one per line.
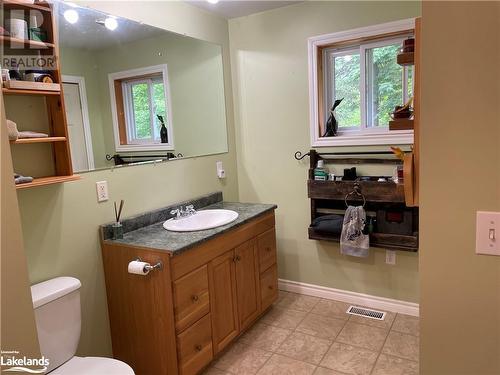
212	285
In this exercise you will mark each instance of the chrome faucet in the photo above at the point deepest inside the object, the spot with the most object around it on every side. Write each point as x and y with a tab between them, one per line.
183	212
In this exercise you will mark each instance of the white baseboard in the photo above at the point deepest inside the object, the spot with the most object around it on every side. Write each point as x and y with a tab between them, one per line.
361	299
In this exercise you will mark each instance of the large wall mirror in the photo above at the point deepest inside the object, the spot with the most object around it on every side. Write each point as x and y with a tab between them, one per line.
135	93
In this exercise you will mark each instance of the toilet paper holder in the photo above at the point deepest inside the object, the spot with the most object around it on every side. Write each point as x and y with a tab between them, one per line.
148	267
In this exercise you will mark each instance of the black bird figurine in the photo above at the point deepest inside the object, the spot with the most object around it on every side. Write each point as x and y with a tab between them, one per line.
163	130
332	125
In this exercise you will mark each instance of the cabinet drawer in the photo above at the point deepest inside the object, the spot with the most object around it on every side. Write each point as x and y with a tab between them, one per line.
194	346
191	298
269	287
266	242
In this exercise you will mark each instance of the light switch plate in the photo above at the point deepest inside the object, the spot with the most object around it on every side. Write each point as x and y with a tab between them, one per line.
390	257
102	191
488	233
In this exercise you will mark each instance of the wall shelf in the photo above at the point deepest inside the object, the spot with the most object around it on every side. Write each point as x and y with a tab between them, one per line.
22	141
383	240
372	190
381	199
32	44
405	58
42	181
29	92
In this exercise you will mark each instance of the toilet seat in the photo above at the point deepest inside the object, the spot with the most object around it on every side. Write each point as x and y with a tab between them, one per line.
93	366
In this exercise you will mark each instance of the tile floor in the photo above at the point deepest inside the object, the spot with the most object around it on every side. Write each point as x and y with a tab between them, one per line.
303	335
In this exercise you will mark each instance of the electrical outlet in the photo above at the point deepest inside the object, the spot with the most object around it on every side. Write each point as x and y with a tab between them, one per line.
390	257
221	173
102	191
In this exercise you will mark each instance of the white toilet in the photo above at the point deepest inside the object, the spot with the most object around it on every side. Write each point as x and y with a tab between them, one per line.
58	321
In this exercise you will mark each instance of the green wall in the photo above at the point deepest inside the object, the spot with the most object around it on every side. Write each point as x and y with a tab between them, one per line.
60	223
271	96
269	63
196	84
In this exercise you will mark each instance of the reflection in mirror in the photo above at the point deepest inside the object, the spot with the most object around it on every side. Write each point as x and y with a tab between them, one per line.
136	93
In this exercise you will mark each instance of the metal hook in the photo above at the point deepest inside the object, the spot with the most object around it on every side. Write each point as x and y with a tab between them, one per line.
299	156
357	191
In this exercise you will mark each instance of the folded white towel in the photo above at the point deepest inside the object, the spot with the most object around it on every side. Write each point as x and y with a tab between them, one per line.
30	134
12	130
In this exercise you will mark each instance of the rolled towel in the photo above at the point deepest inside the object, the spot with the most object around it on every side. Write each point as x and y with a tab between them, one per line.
18	179
30	134
12	130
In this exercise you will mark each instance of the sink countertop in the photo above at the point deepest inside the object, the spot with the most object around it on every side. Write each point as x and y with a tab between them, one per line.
156	237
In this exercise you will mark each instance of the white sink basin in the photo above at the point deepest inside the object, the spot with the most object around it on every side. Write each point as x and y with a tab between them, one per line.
201	220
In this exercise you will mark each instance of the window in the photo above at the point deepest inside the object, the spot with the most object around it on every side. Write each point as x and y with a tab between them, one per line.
144	101
140	97
359	67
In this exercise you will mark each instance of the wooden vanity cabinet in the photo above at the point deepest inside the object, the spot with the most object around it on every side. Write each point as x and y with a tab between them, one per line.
200	301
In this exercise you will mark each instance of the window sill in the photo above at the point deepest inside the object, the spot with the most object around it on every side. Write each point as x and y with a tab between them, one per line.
400	137
145	147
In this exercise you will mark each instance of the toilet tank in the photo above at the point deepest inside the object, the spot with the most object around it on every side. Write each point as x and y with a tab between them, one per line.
58	318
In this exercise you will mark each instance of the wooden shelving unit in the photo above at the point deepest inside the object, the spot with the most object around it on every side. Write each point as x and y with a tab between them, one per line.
51	94
328	197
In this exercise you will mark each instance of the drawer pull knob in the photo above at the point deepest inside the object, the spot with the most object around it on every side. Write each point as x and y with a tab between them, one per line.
237	258
198	348
270	287
195	298
268	249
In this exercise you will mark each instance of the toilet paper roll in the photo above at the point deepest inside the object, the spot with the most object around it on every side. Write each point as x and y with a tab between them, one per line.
18	28
138	268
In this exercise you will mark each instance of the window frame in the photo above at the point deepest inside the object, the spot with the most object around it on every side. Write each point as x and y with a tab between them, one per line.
358	39
132	76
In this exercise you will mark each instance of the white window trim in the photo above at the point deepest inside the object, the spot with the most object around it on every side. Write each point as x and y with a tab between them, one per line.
351	138
134	73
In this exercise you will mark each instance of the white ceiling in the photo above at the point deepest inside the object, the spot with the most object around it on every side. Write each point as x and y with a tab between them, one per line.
239	8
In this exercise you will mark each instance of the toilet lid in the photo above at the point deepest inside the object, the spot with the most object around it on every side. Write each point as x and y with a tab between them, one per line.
93	366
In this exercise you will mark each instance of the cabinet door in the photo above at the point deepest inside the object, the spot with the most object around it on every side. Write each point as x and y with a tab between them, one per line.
223	301
247	282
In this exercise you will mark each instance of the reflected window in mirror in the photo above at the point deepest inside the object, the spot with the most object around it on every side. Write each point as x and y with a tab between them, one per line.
141	109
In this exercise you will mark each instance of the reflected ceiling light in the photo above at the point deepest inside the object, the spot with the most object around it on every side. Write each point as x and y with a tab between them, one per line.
111	23
213	1
71	15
